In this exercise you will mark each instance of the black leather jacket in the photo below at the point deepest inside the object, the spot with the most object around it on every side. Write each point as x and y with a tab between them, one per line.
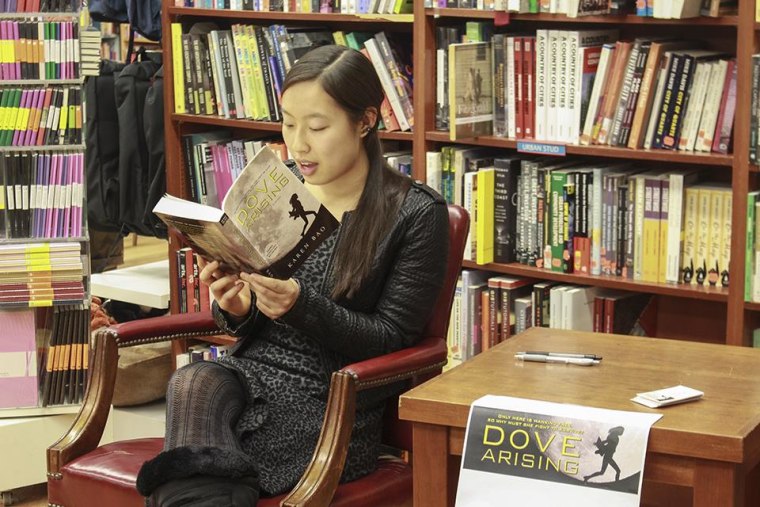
392	307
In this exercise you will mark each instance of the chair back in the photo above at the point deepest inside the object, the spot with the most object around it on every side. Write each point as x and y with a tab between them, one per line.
396	432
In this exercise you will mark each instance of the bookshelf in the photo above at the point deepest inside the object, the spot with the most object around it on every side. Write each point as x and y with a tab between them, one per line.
682	303
43	235
731	320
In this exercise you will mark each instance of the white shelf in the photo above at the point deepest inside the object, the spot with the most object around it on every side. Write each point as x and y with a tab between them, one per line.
146	285
38	411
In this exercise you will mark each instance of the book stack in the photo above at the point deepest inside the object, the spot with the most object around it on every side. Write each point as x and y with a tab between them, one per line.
38	274
90	52
193	294
64	364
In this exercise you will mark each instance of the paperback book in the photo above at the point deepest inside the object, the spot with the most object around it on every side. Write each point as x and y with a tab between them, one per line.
269	222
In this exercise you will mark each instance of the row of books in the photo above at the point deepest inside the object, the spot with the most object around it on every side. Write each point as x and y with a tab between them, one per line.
752	249
200	352
193	294
46	362
579	87
38	274
39	49
589	217
63	366
33	6
754	124
40	116
213	160
665	9
488	309
44	195
306	6
238	73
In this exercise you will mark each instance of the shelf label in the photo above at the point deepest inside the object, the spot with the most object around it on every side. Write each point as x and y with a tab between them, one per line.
556	150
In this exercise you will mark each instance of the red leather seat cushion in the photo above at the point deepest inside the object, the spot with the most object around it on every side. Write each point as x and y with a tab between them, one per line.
107	475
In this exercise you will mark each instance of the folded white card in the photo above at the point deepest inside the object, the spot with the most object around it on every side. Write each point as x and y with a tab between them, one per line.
667	396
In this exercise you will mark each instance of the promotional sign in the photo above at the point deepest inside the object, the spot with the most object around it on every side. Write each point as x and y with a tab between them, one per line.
531	452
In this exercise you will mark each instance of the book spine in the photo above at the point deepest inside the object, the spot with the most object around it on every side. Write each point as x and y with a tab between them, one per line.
178	71
725	124
542	69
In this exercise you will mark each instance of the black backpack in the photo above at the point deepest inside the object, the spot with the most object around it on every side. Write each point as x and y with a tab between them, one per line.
153	124
131	88
102	153
143	16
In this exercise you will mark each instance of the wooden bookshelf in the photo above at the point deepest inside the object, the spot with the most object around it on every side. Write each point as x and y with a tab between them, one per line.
264	125
596	151
629	19
609	282
686	304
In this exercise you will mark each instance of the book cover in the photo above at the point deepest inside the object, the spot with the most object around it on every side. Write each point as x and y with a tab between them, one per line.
269	222
18	359
471	106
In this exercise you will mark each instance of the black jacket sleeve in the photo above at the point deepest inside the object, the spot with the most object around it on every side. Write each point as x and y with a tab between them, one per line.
405	304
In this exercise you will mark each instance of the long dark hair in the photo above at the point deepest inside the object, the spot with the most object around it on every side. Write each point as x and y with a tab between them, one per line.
350	79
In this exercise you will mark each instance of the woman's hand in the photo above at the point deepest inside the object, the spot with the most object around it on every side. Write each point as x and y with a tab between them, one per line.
231	293
274	298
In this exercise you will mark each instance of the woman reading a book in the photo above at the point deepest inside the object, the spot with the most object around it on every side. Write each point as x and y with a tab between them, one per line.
247	424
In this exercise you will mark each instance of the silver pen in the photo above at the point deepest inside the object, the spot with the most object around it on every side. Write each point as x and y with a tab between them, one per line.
540	358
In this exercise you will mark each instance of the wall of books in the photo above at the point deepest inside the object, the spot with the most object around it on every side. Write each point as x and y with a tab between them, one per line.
594	143
228	63
44	300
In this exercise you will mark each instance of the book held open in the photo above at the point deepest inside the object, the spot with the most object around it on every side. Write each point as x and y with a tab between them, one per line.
269	222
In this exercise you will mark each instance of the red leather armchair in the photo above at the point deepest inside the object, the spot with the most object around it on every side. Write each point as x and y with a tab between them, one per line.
81	474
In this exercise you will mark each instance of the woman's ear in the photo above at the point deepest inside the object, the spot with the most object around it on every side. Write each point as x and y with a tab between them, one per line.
369	122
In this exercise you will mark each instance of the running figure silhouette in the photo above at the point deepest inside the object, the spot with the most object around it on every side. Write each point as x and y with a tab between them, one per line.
606	448
298	211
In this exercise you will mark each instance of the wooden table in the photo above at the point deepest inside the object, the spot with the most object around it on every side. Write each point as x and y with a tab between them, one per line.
711	445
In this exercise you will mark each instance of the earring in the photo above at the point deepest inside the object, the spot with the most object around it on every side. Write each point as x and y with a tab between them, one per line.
366	130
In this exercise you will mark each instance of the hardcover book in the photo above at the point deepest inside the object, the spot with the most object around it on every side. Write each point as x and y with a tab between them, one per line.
269	222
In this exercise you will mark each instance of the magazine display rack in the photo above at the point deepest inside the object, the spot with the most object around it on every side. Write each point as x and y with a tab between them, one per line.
44	292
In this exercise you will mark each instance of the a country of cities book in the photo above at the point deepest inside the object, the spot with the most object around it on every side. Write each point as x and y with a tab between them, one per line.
269	221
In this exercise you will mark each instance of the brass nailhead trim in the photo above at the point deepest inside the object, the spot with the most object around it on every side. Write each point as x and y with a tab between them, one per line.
389	380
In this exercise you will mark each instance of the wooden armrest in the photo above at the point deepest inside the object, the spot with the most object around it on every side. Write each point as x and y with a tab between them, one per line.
87	429
318	484
165	328
427	355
